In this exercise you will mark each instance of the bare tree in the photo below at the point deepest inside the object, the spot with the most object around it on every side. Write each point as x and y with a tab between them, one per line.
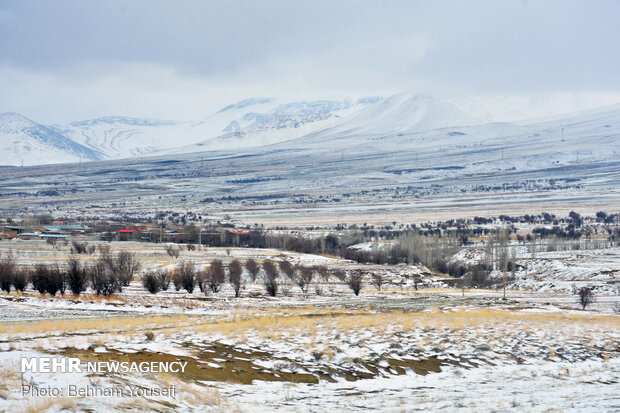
234	276
323	272
416	281
253	268
164	279
21	278
124	265
586	296
216	276
172	251
340	274
8	267
466	282
377	280
151	282
76	276
185	276
287	268
305	277
102	278
104	249
271	277
79	247
354	281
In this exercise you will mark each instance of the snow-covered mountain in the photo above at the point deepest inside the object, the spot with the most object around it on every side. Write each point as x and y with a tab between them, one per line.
337	119
281	123
397	121
25	142
248	123
121	137
404	113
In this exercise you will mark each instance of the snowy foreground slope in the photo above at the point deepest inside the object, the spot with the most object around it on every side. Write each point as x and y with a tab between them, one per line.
394	349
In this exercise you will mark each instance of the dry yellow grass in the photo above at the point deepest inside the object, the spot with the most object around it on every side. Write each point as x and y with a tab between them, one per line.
90	324
272	323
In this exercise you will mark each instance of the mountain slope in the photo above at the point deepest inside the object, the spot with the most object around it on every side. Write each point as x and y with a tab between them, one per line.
472	169
249	123
25	142
404	113
122	137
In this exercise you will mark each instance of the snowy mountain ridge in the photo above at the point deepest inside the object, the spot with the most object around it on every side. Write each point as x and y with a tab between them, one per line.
257	122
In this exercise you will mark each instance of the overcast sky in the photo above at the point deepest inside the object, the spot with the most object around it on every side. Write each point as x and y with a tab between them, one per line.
71	60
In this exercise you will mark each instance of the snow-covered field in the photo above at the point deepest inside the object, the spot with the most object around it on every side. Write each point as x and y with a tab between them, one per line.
398	349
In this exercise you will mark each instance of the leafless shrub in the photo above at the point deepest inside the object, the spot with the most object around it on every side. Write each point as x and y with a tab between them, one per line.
185	277
124	265
191	247
318	290
305	277
176	281
323	272
164	279
466	281
287	268
48	279
201	279
79	247
478	276
151	282
354	281
21	278
417	278
340	274
271	277
586	296
377	280
216	276
102	278
253	268
76	276
457	269
8	268
172	251
234	276
104	249
92	249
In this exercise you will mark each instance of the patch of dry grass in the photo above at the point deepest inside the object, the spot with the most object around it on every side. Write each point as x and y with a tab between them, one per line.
65	326
274	322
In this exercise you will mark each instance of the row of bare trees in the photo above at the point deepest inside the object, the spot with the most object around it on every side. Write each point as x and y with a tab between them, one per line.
186	276
210	280
106	276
